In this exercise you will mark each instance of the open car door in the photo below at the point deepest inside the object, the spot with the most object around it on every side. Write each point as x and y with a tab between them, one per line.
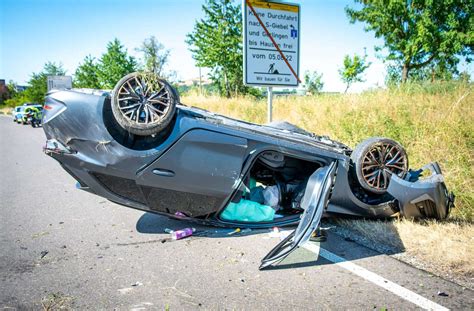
315	200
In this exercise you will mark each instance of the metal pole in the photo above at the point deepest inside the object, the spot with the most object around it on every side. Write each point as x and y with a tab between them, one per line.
200	82
269	103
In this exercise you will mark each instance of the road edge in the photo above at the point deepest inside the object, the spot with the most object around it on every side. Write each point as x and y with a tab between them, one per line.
353	236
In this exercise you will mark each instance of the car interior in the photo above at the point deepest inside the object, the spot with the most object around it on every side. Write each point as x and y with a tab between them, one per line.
271	190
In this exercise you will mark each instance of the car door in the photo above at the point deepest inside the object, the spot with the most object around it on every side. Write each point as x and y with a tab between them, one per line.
315	200
196	175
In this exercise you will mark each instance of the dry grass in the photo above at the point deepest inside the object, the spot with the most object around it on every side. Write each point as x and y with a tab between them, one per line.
433	125
444	248
448	245
57	301
5	110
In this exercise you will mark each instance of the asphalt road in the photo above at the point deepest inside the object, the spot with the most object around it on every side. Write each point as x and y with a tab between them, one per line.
63	247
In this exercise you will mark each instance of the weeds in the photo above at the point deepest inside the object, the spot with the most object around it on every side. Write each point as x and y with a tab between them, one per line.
56	301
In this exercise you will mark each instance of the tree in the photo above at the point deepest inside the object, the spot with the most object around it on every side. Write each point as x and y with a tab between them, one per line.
17	100
436	71
8	91
155	56
353	69
464	77
418	33
87	74
313	82
216	43
115	64
37	85
12	88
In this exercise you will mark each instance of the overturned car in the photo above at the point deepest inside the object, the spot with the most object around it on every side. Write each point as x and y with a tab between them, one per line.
140	147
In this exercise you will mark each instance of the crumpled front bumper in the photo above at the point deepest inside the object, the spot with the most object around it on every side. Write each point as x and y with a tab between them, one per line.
56	147
422	198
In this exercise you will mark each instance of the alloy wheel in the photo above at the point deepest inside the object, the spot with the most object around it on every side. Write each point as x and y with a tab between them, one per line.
143	99
380	162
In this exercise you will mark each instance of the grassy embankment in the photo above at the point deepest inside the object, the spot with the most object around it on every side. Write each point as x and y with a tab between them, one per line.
434	123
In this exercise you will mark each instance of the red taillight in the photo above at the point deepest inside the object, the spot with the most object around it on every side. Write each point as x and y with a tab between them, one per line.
52	108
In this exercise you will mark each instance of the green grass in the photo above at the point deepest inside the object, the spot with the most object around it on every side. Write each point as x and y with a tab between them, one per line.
434	122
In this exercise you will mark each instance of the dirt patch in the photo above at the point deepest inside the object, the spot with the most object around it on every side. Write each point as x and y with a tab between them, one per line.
443	248
5	110
57	301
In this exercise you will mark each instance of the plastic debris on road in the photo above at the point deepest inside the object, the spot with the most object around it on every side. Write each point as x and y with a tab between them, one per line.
234	232
181	234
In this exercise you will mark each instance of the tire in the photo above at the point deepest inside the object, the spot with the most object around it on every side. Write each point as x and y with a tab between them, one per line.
375	160
143	104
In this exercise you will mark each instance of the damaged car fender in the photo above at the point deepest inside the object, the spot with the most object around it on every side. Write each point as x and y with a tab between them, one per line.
422	198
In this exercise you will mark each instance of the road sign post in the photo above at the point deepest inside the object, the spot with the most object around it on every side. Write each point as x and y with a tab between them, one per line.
271	45
269	103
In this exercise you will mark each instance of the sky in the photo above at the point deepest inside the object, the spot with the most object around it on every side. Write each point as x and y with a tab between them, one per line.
33	32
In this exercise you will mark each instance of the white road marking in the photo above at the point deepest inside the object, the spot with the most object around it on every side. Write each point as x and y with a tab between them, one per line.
375	278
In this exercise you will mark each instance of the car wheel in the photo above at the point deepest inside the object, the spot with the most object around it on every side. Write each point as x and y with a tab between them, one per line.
143	104
375	160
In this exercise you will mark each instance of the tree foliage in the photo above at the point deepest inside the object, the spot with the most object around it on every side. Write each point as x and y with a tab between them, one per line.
418	33
216	43
353	69
436	71
17	100
155	56
37	85
313	82
14	96
87	74
114	64
8	93
12	88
